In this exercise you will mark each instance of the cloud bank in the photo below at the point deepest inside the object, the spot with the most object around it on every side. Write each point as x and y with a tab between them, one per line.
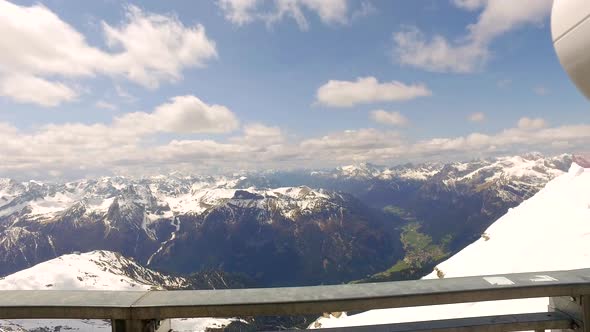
131	144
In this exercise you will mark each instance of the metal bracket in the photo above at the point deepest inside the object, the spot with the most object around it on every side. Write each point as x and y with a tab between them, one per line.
576	307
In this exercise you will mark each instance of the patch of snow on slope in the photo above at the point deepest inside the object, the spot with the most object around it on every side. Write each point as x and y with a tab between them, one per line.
58	202
422	173
100	205
197	202
548	232
299	192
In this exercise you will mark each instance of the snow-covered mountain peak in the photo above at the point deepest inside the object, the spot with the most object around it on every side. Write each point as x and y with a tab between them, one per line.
95	270
364	170
550	231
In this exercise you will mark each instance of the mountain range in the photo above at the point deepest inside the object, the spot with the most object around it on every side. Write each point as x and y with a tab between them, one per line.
277	228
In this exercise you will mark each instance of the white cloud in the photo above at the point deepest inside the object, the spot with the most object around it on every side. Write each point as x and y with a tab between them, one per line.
504	83
147	48
105	105
541	91
531	124
330	12
437	54
156	47
469	4
343	145
470	52
184	115
366	9
477	117
501	16
389	118
260	134
367	90
35	90
238	12
124	94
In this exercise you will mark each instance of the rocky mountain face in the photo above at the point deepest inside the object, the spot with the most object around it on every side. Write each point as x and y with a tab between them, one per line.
294	235
279	228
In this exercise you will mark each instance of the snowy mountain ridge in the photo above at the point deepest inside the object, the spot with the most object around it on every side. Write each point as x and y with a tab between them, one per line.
96	270
167	196
548	232
161	197
530	165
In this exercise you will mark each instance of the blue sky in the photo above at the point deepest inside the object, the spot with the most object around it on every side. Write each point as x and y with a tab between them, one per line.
151	86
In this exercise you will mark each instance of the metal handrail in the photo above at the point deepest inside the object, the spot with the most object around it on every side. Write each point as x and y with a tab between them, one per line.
159	305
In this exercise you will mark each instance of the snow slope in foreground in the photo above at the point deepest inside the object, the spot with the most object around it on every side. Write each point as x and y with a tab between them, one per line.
96	270
548	232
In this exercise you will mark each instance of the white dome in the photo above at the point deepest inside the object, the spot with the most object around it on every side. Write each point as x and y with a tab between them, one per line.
570	28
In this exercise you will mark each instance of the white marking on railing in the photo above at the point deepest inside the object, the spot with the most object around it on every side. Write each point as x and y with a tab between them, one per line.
543	279
498	281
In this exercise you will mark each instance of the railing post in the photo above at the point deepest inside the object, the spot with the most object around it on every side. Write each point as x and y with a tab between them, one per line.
586	312
120	325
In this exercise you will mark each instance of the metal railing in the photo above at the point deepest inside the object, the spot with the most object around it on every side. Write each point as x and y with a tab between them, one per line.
144	310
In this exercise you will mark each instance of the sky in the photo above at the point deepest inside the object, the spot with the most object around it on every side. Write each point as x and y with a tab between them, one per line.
92	88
